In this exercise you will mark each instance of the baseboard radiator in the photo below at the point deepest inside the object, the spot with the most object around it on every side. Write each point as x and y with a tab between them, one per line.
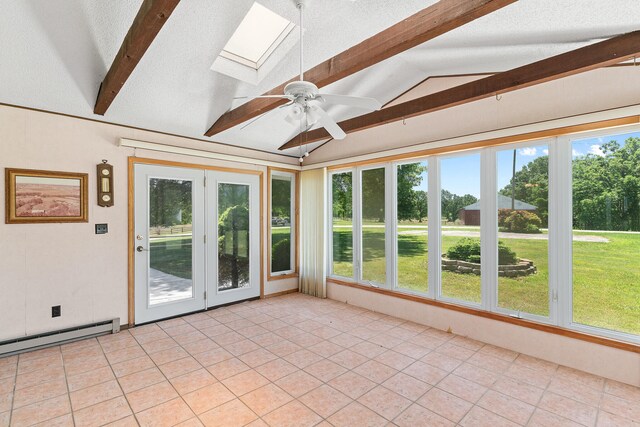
48	339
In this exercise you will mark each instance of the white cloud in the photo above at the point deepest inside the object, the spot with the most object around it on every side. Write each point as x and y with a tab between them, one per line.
528	151
546	151
575	153
597	150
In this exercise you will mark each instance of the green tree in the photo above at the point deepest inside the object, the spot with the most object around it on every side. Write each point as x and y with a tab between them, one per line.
342	195
410	175
422	204
281	198
532	186
606	188
169	202
452	203
373	194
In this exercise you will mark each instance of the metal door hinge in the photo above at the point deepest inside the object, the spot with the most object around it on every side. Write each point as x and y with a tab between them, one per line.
205	181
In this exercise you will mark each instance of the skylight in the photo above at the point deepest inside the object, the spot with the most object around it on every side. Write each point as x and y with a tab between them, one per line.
259	34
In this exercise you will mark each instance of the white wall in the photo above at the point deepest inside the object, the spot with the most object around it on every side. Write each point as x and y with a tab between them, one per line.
589	92
42	265
620	365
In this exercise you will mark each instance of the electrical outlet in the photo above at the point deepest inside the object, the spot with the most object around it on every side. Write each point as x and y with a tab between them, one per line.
102	228
56	311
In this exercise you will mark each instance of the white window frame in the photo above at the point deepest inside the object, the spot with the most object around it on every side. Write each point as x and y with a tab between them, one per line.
565	145
483	245
492	221
330	225
388	220
395	284
292	221
560	229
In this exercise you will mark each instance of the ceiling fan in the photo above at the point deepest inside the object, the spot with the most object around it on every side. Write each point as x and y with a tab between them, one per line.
305	100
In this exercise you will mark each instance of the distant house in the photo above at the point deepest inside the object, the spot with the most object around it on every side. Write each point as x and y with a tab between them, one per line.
470	215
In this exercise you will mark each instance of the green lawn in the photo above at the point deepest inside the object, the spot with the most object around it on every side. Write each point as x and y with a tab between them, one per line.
606	286
171	255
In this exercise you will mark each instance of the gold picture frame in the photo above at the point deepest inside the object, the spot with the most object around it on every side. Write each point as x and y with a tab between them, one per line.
38	196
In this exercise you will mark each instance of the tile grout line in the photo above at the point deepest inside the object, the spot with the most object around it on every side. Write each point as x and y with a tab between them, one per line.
13	391
162	373
66	383
118	382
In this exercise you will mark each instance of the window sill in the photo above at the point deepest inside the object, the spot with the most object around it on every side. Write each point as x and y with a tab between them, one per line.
622	345
277	277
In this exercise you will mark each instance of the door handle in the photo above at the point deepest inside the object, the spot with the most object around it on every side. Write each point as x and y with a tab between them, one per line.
140	249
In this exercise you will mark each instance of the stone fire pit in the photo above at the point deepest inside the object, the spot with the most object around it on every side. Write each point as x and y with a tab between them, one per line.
524	267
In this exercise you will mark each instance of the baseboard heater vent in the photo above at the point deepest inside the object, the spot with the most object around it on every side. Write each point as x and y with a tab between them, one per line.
34	342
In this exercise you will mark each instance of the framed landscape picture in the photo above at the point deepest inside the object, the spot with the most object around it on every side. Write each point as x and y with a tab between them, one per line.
34	196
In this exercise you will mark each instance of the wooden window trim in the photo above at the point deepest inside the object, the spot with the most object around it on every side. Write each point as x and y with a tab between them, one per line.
494	142
296	271
569	333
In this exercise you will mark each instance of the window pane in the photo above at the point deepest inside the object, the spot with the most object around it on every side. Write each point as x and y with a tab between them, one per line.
606	232
233	236
342	224
373	226
523	239
281	223
460	209
170	237
411	194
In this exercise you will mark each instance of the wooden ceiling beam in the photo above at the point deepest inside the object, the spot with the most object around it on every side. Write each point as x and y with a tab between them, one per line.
598	55
423	26
147	24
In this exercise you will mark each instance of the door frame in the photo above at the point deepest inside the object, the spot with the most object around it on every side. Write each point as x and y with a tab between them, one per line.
132	161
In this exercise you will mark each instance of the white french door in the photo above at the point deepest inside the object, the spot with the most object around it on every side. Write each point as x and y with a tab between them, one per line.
233	260
169	242
196	241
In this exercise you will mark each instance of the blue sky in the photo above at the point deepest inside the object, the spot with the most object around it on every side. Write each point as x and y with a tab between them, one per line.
524	156
461	175
592	145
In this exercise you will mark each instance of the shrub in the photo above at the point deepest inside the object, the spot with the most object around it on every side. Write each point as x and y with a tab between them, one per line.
468	249
506	255
464	249
520	222
502	216
280	256
474	258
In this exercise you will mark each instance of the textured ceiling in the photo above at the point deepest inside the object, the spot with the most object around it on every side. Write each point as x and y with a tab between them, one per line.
55	53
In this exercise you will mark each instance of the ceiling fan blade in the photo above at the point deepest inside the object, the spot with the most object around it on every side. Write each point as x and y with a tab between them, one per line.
328	123
352	101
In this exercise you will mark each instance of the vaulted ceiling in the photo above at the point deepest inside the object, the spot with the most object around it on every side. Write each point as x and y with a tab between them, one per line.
55	53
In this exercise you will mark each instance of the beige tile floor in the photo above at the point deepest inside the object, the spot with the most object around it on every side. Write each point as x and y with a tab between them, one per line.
300	361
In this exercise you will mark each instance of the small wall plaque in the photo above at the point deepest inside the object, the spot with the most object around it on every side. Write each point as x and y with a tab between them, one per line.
105	184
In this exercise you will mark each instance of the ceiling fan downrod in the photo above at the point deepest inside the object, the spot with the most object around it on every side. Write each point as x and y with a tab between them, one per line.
300	6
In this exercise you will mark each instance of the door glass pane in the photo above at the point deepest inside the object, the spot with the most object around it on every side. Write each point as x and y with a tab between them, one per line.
606	232
342	224
411	194
170	238
523	238
460	209
373	226
233	236
281	223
